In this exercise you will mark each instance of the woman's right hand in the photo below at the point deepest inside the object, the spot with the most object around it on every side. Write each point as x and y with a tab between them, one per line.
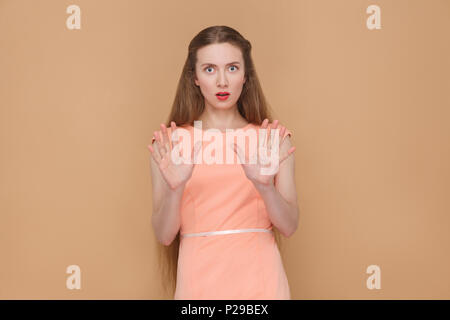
175	175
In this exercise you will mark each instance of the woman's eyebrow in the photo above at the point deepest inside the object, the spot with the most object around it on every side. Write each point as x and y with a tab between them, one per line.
212	64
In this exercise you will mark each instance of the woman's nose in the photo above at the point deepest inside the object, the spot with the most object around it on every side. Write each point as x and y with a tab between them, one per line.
221	79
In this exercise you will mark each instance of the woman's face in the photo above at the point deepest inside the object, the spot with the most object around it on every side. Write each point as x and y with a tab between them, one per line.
220	68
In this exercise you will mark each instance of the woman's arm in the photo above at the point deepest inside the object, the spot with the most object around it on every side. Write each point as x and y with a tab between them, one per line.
280	198
166	207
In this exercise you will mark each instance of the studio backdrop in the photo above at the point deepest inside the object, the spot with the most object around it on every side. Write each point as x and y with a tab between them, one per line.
362	85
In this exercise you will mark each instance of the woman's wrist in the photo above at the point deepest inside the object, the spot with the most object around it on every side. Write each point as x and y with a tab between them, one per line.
264	187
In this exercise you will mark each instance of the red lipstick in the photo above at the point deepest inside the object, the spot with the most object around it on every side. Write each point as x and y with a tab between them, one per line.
222	95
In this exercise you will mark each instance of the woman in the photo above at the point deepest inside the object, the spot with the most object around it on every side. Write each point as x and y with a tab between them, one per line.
218	224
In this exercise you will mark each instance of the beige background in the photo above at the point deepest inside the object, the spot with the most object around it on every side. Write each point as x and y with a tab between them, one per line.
369	112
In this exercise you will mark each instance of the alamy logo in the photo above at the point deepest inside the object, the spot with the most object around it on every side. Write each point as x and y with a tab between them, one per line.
374	20
265	154
374	281
74	280
74	20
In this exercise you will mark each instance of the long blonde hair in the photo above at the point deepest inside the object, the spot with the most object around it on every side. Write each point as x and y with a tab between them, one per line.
189	104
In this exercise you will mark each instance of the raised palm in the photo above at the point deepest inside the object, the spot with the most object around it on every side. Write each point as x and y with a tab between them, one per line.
174	174
263	173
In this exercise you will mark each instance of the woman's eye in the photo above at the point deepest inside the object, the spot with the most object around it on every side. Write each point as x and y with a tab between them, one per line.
206	69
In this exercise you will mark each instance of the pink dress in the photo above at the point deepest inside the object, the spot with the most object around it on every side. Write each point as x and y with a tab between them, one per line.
243	265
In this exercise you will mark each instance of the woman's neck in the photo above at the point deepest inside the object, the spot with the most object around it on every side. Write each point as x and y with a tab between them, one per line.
221	123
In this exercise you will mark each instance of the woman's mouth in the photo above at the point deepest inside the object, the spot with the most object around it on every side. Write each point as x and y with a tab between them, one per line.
222	95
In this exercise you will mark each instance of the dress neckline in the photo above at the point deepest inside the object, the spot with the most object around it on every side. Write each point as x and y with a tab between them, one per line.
245	127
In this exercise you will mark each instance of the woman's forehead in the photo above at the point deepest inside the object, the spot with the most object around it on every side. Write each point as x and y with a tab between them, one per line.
219	54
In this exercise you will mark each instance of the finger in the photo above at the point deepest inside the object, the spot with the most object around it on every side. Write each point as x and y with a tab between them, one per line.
175	134
150	148
197	147
282	132
275	124
273	127
290	151
195	151
154	154
272	132
156	158
165	137
158	146
253	155
262	143
264	130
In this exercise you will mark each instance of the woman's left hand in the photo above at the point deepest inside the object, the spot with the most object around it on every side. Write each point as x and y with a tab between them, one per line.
260	174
